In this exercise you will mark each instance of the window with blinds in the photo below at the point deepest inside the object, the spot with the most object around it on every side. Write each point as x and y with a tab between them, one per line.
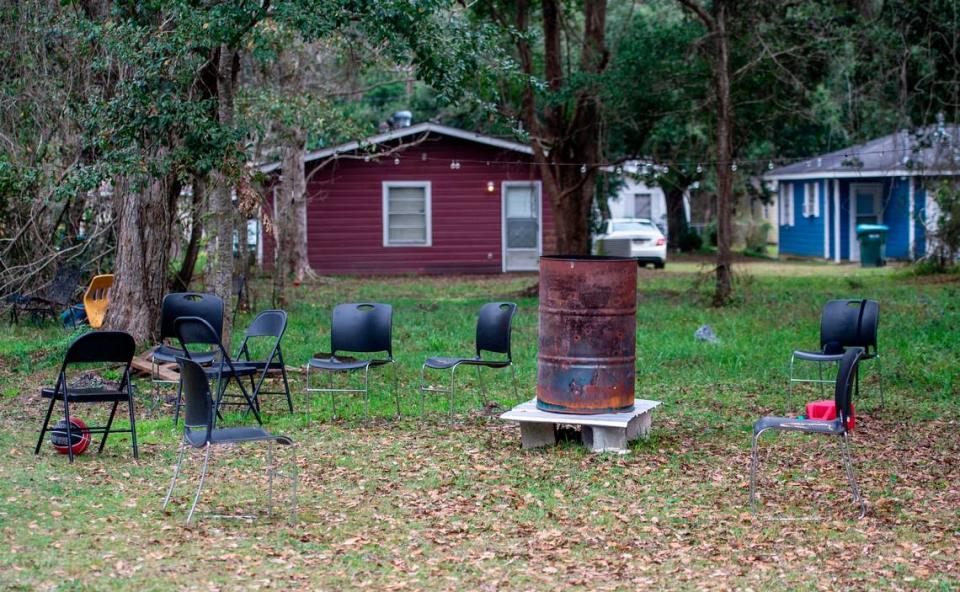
406	214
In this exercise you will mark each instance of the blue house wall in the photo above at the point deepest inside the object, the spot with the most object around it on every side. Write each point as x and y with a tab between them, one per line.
805	237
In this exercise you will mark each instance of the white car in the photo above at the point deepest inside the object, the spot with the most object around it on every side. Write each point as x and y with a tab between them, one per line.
633	237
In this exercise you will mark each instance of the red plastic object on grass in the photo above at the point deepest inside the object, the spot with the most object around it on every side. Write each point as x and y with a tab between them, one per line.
827	411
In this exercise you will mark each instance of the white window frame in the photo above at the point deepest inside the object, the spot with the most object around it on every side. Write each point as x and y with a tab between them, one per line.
786	204
428	213
811	201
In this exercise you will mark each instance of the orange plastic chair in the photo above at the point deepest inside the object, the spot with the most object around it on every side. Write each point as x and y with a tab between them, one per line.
95	299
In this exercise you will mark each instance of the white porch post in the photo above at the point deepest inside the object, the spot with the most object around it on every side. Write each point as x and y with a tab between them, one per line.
911	228
825	192
836	220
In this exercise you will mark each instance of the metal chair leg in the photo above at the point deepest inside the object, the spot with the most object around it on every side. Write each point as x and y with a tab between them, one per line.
880	378
270	478
366	393
484	398
203	474
754	467
790	379
106	433
176	474
66	417
820	369
453	388
295	476
396	391
46	423
851	476
423	389
516	394
133	420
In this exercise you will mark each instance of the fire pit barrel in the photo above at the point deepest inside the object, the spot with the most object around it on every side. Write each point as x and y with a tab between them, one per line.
586	362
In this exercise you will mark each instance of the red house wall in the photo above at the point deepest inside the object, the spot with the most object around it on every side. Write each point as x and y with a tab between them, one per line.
345	212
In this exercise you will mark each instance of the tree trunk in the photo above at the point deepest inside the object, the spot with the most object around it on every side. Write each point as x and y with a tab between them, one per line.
676	215
566	143
291	209
144	216
721	80
181	280
221	203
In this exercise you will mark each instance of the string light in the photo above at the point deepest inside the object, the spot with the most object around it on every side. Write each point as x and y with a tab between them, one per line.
396	160
619	170
733	167
699	168
366	158
583	169
770	166
695	185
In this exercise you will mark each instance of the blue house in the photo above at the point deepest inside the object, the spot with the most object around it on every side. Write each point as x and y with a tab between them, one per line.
820	201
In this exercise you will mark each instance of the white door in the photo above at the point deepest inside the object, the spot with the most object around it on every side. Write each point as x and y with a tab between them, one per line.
521	226
866	207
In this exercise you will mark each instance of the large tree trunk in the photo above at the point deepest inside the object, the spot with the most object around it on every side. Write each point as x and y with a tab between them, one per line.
291	209
566	142
221	203
144	216
721	80
181	280
676	215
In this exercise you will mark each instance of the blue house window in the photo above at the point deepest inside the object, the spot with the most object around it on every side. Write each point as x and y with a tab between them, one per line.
811	203
786	204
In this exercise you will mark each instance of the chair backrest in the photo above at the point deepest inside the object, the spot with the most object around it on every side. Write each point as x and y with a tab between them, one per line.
850	323
96	299
208	307
114	347
64	285
846	375
198	402
194	330
494	325
269	323
362	327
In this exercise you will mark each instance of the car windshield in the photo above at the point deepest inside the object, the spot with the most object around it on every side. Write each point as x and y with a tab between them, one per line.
631	226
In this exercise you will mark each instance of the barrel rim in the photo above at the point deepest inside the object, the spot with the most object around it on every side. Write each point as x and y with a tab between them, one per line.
586	258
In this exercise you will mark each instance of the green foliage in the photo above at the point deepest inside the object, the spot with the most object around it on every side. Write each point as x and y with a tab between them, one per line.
945	230
690	240
756	238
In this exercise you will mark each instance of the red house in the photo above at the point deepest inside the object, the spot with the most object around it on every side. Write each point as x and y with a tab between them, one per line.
424	199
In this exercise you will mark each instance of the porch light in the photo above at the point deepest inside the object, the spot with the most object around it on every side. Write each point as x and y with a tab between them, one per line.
491	187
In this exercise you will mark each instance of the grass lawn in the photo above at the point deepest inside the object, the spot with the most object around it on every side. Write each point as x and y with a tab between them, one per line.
430	503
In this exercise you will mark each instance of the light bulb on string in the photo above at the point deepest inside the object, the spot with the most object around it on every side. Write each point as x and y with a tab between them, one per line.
583	169
695	185
396	160
366	158
733	167
619	170
699	168
770	165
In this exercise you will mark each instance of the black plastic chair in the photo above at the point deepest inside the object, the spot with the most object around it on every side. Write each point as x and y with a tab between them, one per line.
357	328
196	331
208	307
199	431
843	324
494	329
849	362
267	324
101	347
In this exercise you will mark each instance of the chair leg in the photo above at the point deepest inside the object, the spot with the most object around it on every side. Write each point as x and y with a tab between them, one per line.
484	398
176	412
133	423
203	474
880	378
516	394
66	417
366	393
790	379
270	478
295	477
396	391
106	432
333	395
286	384
851	476
453	388
46	422
176	473
423	389
754	468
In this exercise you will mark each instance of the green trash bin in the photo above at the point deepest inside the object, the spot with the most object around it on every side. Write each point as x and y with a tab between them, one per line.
873	239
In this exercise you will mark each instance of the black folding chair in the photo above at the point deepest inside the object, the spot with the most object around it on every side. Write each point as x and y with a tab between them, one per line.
101	347
196	331
267	324
199	431
208	307
57	295
843	388
357	328
843	324
494	329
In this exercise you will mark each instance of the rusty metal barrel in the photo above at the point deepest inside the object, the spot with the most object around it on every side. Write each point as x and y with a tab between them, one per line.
586	362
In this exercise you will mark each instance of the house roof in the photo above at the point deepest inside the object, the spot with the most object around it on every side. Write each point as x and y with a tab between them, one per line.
933	150
420	128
